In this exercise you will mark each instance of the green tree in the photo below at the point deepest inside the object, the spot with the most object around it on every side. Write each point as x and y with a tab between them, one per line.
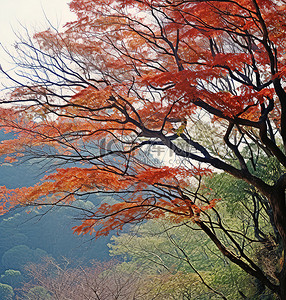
175	251
18	256
10	234
13	278
6	292
38	293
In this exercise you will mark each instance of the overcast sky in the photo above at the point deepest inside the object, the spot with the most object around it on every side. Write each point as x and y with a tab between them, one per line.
31	14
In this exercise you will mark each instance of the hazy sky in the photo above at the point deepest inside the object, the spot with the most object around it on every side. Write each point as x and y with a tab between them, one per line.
31	14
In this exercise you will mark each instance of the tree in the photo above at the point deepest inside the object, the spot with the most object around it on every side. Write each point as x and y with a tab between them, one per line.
178	253
18	256
100	281
12	277
6	292
128	76
39	293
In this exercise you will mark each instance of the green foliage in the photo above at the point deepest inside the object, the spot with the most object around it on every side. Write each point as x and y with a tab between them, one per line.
177	251
18	256
12	277
179	286
232	192
6	292
265	167
236	192
38	293
10	234
48	231
52	233
156	246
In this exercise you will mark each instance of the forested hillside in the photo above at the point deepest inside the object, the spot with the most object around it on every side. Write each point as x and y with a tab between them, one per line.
29	235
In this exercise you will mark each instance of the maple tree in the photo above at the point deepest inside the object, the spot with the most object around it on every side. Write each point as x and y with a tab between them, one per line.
127	76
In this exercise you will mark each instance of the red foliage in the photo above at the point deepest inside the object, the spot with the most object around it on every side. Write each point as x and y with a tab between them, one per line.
138	74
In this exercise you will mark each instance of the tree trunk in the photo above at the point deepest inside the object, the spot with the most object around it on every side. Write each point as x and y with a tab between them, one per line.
282	279
278	204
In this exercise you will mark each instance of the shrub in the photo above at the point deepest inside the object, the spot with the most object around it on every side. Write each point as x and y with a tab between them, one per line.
12	277
6	292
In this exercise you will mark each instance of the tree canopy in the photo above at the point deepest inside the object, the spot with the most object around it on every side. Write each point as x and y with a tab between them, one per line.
130	76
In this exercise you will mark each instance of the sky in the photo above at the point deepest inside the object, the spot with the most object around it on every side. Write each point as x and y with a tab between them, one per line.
32	14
